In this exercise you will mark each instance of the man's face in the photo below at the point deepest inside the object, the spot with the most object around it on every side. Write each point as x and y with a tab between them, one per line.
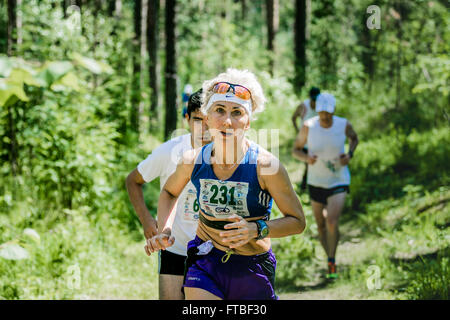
325	117
198	128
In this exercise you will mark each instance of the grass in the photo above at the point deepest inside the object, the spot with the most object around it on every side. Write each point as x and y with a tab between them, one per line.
398	249
75	255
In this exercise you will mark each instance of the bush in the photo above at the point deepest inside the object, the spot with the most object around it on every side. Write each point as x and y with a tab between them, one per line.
430	280
383	166
80	256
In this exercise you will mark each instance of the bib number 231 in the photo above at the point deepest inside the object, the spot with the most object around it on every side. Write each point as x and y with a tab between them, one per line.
223	198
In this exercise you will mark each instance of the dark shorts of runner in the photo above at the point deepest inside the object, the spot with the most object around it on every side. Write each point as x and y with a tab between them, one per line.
171	263
321	194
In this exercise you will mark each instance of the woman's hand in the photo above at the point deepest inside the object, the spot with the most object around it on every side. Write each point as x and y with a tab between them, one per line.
311	159
159	242
242	232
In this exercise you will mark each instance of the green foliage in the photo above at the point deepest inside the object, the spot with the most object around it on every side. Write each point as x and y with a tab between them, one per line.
296	255
54	129
407	241
66	145
431	281
381	167
79	255
295	260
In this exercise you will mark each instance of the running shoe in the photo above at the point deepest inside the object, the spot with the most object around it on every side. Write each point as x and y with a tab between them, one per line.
332	272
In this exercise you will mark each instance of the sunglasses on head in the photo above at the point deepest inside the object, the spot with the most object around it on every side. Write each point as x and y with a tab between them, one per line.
238	90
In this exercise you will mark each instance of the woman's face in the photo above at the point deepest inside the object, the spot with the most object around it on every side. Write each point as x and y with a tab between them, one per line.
227	121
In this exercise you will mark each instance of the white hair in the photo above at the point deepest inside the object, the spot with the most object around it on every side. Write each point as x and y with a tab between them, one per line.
244	78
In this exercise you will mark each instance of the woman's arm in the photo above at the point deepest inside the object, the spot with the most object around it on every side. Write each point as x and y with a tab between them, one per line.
169	195
280	188
276	181
167	200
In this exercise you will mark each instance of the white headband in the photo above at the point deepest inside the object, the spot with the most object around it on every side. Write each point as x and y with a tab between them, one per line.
230	97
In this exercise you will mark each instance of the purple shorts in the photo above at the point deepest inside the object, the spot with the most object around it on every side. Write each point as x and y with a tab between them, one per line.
240	278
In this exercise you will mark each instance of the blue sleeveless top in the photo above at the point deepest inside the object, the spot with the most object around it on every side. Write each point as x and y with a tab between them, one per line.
240	194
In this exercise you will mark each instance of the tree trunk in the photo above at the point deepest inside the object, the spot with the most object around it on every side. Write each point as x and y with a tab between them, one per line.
12	26
402	10
13	147
78	3
12	42
97	9
19	22
244	9
272	29
367	49
300	37
142	53
368	40
114	8
65	5
171	70
398	63
152	45
325	41
135	91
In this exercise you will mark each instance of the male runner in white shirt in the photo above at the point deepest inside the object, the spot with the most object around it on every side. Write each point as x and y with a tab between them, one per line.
162	163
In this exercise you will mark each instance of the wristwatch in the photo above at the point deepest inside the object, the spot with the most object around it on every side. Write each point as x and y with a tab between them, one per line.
263	229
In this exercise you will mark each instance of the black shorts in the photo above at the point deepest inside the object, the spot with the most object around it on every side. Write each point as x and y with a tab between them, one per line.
171	263
321	194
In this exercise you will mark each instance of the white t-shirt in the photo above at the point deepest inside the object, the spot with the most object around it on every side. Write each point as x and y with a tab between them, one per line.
327	144
162	162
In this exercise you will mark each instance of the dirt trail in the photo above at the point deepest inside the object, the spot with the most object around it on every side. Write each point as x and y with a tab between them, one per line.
352	249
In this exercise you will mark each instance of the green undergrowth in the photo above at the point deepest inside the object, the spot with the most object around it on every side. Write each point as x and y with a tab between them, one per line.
397	249
71	254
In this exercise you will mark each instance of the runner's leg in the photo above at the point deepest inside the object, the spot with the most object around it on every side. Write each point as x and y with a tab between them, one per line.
334	209
318	210
170	287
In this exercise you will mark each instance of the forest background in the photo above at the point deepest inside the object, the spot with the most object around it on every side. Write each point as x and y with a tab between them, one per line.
89	88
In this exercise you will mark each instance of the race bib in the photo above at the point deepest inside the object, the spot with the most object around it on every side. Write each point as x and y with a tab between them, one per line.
221	199
190	205
333	165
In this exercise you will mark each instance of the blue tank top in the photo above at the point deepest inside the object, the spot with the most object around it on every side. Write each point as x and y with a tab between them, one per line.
240	194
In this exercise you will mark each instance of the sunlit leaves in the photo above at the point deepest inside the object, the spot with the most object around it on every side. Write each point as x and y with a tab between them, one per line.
67	82
52	71
32	235
11	92
92	65
13	251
